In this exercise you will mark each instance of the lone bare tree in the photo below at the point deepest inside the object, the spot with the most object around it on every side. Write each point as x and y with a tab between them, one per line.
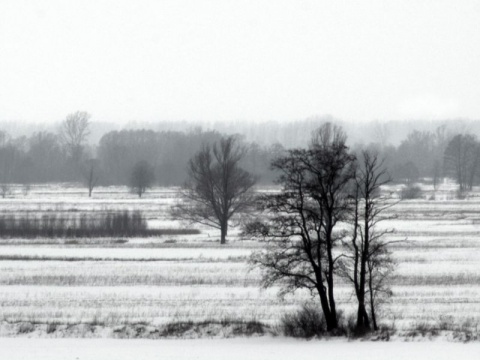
8	163
368	255
217	187
74	132
91	174
141	178
461	160
302	230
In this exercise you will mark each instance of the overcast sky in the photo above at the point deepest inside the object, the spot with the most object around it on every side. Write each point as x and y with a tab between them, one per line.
227	60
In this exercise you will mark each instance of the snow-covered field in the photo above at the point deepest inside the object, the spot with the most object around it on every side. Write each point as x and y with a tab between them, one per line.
234	349
177	278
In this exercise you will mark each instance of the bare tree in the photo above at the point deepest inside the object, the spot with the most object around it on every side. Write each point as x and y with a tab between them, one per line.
91	174
142	177
436	175
408	172
5	190
302	234
461	159
4	138
381	133
367	255
74	132
217	187
8	163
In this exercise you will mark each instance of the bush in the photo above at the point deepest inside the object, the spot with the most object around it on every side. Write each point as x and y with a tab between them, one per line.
51	328
307	322
422	329
411	192
256	228
461	195
121	224
25	328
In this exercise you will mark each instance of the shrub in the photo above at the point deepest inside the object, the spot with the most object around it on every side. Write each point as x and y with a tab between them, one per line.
25	328
256	228
424	329
461	195
307	322
411	192
51	328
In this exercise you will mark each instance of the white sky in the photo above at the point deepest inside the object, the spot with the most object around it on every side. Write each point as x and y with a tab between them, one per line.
227	60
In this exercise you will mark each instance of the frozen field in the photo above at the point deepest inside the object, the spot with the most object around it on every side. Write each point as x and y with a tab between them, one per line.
178	278
235	349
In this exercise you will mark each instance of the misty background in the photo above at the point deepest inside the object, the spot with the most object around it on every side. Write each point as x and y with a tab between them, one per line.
162	78
40	154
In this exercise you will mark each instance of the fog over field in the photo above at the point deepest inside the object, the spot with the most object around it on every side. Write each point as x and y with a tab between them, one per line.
199	179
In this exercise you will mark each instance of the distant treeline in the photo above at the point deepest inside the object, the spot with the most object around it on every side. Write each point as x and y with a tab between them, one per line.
46	157
43	157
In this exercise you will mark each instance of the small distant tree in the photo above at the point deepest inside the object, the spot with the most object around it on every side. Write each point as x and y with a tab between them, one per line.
26	189
74	132
141	178
9	159
461	160
5	190
408	172
91	175
437	172
217	187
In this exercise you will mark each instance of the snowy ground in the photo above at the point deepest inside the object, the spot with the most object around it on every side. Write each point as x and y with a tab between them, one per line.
193	278
241	348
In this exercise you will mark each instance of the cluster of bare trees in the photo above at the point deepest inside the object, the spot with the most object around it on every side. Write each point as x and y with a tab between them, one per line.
461	160
434	155
324	188
419	155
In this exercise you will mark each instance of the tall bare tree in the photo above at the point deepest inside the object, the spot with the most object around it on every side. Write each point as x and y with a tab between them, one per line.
368	255
217	187
74	132
302	232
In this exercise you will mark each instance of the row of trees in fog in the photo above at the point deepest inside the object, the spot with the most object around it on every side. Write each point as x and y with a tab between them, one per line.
324	187
433	155
67	155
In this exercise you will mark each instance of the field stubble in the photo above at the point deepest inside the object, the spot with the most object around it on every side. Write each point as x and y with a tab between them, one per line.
191	278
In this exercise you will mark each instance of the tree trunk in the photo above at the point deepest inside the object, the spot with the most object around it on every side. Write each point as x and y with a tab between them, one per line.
223	232
332	322
363	323
333	311
330	318
374	319
90	192
330	283
372	302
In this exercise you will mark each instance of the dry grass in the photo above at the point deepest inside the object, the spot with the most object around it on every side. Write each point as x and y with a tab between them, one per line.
192	279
